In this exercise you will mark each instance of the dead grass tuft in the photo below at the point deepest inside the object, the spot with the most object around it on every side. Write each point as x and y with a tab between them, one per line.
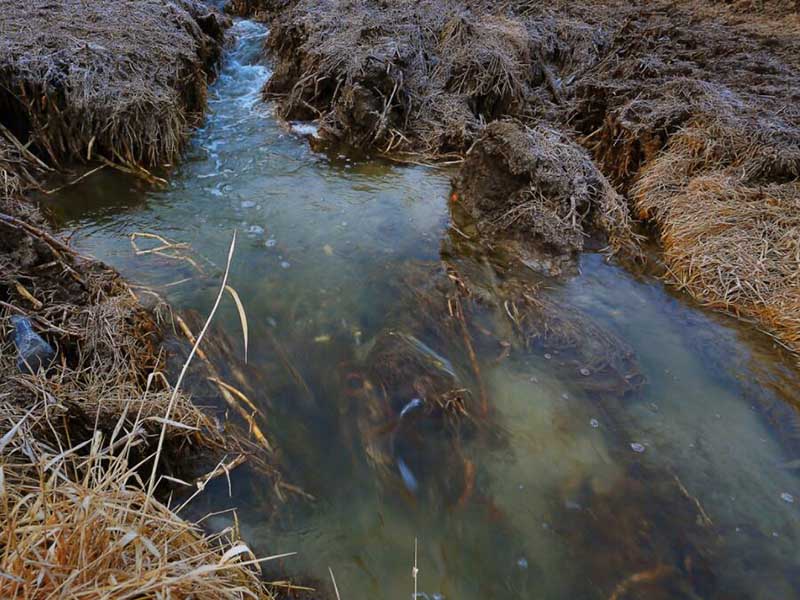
420	80
728	208
124	80
78	523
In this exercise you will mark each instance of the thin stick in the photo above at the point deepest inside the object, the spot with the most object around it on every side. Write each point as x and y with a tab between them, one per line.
174	396
284	358
223	387
473	359
415	570
74	181
335	588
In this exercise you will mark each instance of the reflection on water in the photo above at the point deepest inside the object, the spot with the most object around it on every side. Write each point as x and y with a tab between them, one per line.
589	437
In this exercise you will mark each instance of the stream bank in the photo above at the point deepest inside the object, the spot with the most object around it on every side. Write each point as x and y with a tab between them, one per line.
536	418
688	109
90	444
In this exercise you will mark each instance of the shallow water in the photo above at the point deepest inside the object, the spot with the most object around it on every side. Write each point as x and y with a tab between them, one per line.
566	488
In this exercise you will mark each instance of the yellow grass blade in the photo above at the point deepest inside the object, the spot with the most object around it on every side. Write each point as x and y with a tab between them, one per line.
242	316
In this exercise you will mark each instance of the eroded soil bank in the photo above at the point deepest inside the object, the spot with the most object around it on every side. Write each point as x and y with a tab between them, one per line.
690	110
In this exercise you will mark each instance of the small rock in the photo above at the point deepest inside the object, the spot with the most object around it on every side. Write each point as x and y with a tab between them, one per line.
255	230
585	372
637	447
548	356
522	563
787	497
248	204
594	423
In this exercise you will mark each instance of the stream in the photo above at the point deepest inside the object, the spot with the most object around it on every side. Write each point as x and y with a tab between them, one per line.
651	450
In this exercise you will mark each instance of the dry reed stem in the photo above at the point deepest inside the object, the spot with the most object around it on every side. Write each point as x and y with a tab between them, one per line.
81	525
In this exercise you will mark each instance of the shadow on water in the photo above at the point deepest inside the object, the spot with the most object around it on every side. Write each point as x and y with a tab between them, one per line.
590	436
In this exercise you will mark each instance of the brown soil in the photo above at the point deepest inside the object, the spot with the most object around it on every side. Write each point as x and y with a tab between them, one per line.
689	109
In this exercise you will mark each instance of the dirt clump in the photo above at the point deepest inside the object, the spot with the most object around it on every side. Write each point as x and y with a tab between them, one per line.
418	77
538	183
121	80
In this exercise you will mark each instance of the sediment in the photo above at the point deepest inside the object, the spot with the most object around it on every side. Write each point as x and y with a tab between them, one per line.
84	444
689	111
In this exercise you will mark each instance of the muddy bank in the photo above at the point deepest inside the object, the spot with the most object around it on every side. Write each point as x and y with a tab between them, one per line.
689	110
95	433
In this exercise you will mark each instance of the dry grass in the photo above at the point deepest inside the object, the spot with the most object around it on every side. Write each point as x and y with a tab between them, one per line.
79	511
81	518
124	80
726	198
78	523
416	78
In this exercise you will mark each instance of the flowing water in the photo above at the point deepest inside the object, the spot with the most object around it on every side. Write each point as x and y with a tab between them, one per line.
571	485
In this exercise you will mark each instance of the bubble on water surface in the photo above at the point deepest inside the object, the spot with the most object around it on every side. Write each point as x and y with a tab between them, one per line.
594	423
637	447
285	264
522	563
787	497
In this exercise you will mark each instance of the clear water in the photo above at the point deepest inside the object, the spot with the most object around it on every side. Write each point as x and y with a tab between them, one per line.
547	496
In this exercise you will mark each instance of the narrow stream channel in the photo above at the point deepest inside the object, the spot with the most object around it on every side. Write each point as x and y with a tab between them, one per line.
684	487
